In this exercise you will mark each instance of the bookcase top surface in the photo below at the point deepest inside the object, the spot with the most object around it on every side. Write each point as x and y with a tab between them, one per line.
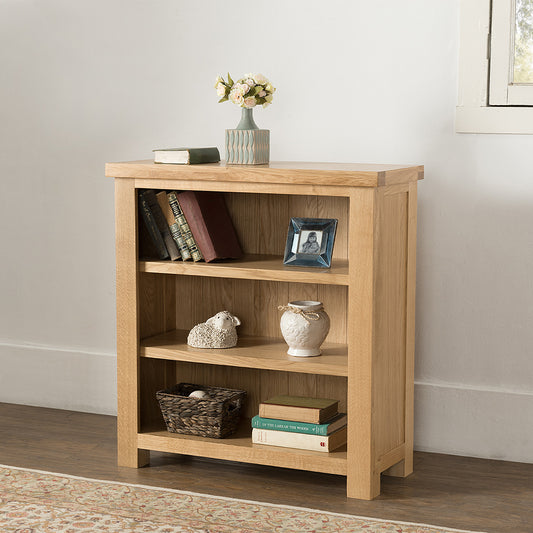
285	172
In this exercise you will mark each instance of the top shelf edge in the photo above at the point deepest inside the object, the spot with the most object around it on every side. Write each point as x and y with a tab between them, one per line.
283	173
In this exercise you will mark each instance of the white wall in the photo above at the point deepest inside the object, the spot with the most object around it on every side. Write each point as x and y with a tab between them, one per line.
88	82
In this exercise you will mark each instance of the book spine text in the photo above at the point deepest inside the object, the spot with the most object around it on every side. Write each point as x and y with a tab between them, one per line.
180	241
184	227
289	426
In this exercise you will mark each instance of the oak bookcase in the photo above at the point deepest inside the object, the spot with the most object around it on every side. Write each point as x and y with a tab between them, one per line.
369	293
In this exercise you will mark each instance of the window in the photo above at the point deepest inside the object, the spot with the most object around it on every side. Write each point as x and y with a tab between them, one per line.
511	53
496	67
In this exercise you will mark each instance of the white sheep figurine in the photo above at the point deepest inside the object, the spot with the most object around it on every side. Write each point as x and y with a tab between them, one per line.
219	331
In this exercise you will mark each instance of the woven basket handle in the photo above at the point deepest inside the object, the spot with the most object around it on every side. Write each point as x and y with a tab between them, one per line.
232	406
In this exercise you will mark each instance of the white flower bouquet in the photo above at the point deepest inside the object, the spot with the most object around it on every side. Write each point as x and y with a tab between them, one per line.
249	91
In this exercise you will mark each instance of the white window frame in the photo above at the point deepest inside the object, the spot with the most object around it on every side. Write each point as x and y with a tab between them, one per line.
473	112
502	89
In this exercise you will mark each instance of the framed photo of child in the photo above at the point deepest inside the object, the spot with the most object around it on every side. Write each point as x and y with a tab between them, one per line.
310	242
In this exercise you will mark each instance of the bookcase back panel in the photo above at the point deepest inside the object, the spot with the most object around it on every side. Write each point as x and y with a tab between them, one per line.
157	304
262	220
254	302
263	384
154	375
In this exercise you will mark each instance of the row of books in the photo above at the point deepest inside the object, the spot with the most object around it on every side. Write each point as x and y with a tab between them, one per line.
300	422
187	225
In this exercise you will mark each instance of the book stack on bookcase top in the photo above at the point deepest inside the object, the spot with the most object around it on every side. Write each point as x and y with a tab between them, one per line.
188	225
300	422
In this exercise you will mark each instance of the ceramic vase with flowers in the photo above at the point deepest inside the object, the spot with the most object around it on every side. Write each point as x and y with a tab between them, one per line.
246	144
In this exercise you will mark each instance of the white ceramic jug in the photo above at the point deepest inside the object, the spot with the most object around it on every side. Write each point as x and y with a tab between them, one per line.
304	326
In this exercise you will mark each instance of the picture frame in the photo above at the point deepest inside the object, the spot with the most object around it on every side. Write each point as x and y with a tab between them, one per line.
310	242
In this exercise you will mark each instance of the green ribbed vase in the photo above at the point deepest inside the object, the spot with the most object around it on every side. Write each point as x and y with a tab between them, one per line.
247	144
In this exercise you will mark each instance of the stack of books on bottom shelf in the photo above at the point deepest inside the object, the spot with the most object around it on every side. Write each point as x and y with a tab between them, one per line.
300	422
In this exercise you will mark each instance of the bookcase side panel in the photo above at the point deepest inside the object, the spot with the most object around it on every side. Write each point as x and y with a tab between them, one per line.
127	326
389	374
363	481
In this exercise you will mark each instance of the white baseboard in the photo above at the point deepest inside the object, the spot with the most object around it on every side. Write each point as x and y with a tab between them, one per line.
452	418
475	422
59	378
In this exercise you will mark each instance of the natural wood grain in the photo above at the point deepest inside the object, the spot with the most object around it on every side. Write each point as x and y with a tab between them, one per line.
239	447
389	322
335	300
363	481
336	207
127	325
392	457
405	467
253	266
251	352
157	315
236	187
334	174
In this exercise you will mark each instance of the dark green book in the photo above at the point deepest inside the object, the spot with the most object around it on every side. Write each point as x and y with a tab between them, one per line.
187	156
151	227
291	426
151	199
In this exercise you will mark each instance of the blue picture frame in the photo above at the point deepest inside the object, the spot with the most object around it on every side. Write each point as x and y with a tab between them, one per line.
310	242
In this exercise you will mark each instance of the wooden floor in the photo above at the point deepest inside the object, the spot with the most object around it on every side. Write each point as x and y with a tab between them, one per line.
457	492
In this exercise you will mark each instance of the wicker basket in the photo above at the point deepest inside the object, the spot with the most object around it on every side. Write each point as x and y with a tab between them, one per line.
215	416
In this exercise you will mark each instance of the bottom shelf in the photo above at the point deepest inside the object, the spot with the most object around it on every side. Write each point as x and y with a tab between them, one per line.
239	447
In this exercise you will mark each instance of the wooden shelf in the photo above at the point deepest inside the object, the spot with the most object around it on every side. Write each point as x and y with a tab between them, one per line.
239	447
280	174
251	352
254	266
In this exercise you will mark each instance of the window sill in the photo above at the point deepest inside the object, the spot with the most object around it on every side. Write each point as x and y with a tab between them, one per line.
517	120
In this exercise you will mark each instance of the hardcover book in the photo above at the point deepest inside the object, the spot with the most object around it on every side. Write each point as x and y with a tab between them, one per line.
187	156
150	198
211	225
152	229
302	441
184	226
173	225
299	409
328	427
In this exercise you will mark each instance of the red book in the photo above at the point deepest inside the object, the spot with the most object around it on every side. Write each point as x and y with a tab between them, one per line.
211	225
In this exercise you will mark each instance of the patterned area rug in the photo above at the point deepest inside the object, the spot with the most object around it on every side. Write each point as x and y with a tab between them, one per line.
36	502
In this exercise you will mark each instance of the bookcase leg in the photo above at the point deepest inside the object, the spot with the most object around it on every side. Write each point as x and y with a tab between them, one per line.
133	458
363	487
127	326
401	469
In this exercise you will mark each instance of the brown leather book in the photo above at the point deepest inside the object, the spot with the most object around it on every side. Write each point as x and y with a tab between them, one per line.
210	224
299	409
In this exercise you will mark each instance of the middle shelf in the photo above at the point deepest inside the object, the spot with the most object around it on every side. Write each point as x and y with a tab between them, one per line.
254	267
251	352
